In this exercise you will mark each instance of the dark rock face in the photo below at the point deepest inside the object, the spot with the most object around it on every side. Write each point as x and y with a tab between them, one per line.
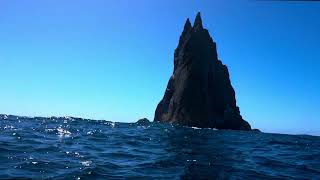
199	93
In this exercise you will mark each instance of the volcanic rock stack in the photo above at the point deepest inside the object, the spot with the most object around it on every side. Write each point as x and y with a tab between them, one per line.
199	92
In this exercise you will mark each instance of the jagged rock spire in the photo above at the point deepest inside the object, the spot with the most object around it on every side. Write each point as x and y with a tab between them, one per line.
187	25
186	31
199	92
183	38
198	22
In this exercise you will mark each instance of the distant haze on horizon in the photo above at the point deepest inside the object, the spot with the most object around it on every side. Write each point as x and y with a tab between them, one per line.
112	59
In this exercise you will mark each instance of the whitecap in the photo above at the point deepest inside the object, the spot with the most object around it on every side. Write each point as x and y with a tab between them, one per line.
113	124
86	163
63	133
8	127
49	130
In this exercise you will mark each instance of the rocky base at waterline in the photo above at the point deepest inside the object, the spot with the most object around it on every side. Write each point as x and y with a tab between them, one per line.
199	92
256	130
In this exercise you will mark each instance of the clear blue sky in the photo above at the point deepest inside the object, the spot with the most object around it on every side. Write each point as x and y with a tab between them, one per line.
112	59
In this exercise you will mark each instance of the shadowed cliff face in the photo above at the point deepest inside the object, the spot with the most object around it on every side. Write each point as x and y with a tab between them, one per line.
199	93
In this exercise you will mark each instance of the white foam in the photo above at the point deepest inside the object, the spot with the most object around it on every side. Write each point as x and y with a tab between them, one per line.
63	133
86	163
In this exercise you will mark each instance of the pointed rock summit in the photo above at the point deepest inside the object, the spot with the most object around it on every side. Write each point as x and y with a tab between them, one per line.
198	22
199	92
187	26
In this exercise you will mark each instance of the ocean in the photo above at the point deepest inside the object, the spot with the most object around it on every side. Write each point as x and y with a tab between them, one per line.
71	148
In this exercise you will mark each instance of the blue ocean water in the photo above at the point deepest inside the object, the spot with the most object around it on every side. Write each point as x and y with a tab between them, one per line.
70	148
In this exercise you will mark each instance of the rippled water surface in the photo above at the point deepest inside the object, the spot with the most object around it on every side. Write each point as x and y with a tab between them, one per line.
68	148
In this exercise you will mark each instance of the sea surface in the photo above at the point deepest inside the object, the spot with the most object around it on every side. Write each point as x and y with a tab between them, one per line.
73	148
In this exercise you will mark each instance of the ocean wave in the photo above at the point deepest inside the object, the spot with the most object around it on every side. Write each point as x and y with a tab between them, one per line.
72	148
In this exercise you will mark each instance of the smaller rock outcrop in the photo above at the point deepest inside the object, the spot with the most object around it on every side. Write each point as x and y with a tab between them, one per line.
143	122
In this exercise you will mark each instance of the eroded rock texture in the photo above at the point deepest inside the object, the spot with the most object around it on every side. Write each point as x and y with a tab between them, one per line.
199	93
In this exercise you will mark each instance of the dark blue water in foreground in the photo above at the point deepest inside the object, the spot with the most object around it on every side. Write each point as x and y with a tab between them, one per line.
66	148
